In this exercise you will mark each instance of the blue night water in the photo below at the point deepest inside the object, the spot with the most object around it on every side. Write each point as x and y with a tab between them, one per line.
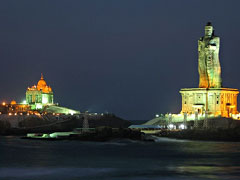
168	159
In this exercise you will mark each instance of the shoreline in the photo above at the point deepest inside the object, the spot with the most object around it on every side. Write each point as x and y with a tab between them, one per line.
227	135
100	134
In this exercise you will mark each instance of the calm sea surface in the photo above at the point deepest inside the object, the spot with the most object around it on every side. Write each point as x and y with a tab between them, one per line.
168	159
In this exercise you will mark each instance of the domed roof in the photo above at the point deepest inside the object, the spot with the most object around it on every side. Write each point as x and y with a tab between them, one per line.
41	83
13	102
41	86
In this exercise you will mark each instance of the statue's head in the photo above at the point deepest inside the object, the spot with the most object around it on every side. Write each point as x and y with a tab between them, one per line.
209	29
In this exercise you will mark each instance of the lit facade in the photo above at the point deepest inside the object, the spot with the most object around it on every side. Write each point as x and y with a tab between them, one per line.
14	108
39	96
216	101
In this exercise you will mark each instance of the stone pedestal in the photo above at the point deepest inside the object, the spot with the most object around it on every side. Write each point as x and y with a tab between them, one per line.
216	101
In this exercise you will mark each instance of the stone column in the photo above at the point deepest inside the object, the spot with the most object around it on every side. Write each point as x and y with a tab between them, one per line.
169	120
196	120
205	122
185	121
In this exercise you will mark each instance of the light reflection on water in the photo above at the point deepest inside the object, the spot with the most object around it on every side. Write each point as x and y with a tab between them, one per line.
120	159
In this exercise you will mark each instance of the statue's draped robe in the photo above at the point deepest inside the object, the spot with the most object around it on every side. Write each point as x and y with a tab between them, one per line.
208	62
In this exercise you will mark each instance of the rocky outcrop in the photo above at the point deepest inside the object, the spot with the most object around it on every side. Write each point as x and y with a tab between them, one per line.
49	123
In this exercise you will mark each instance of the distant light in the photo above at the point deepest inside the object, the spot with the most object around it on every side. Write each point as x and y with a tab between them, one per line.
24	102
181	126
71	112
171	126
157	115
3	103
9	114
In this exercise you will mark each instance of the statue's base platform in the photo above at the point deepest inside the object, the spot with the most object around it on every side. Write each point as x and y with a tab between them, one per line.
216	101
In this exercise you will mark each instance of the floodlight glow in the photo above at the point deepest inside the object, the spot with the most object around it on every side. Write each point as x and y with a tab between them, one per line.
171	126
181	126
39	106
71	112
44	100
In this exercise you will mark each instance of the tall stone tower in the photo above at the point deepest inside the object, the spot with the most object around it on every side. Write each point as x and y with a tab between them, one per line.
210	97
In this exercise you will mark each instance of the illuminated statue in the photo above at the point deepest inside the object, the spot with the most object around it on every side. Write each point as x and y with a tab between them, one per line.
208	59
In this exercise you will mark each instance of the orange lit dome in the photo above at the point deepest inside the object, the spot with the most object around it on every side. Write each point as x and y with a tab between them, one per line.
13	102
41	83
46	89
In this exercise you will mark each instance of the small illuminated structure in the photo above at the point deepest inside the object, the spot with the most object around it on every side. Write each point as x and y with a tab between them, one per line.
13	107
13	102
39	96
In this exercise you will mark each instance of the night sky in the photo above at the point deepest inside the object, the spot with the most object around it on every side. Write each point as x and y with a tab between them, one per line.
128	57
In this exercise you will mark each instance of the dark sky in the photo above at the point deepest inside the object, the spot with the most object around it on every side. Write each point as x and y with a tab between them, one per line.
129	57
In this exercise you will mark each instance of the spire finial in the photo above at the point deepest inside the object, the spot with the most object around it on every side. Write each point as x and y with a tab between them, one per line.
41	75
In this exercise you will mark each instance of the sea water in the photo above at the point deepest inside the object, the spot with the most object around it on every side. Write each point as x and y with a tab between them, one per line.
167	159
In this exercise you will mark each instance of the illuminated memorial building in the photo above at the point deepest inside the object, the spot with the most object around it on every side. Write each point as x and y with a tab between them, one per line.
210	97
39	96
39	99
